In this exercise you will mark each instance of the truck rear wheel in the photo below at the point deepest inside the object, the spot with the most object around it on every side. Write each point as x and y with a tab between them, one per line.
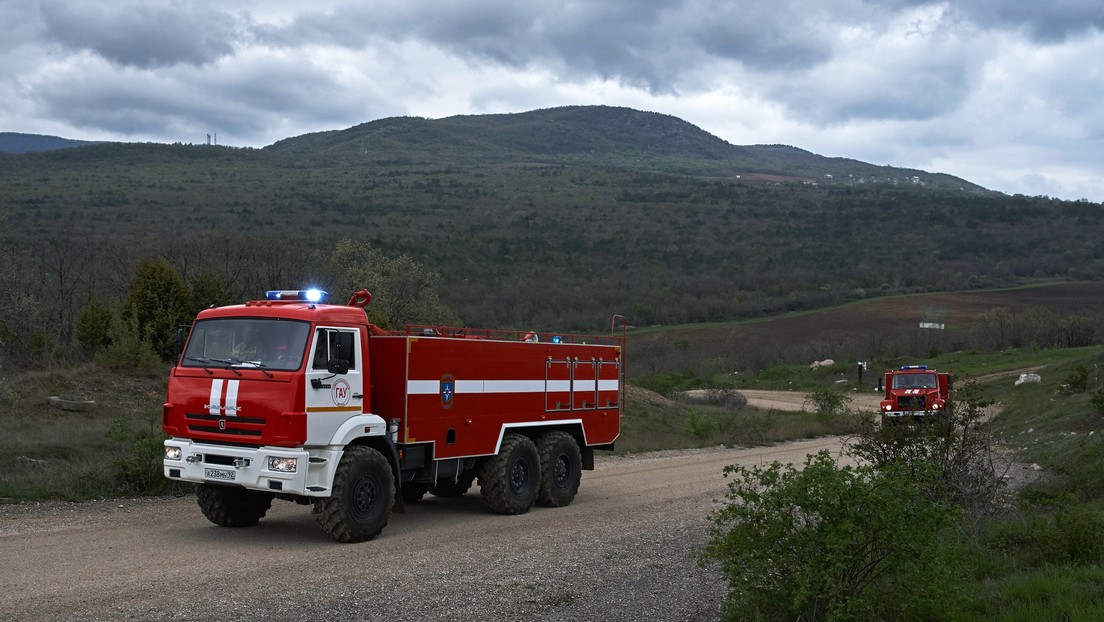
561	469
509	482
363	494
232	507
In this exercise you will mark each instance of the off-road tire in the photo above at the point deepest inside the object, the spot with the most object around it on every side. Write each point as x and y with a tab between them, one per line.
561	469
363	495
232	507
509	482
449	488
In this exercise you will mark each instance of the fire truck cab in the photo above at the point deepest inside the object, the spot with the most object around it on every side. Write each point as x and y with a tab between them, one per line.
292	398
914	391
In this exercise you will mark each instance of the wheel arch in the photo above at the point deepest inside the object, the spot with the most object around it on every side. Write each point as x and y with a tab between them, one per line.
385	446
534	430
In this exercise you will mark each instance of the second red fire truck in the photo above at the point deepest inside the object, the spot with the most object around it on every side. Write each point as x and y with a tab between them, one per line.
291	398
915	391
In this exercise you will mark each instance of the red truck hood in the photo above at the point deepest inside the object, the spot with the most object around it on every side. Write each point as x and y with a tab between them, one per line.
250	409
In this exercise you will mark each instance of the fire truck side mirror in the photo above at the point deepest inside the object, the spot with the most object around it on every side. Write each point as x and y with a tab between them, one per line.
179	348
337	366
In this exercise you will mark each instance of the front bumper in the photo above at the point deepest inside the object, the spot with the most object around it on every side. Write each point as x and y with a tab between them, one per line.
248	467
911	413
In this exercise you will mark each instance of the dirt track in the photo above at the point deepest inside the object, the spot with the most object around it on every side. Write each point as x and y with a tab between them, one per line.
624	550
795	401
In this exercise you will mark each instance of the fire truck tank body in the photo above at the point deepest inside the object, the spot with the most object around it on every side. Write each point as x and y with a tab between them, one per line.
460	394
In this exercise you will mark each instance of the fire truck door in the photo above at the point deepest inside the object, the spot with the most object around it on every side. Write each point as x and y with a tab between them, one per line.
335	393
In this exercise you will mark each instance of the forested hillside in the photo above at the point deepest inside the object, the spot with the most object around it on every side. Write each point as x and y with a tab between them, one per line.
15	142
552	220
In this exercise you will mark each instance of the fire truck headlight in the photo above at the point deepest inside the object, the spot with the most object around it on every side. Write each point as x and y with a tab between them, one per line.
887	407
283	465
173	453
937	406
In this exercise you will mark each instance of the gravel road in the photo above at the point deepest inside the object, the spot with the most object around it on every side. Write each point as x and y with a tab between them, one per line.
795	401
626	549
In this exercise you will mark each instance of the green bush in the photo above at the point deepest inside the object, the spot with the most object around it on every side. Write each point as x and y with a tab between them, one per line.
951	453
700	426
138	456
94	326
1097	401
1070	534
830	542
829	402
1078	379
128	352
1079	534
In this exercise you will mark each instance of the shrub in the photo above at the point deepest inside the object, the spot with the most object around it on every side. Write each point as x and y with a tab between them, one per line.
1068	534
1078	379
951	453
829	542
94	326
138	457
1097	401
829	402
128	352
1079	528
700	426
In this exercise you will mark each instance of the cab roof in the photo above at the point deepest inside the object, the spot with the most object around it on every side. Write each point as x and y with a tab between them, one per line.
290	310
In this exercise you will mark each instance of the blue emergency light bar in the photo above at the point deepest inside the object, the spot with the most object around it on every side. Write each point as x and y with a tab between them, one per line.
906	367
303	295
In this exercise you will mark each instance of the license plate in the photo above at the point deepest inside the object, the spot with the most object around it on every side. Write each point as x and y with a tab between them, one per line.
223	474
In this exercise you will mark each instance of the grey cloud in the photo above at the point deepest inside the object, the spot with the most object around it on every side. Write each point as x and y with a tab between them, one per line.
1053	21
649	44
244	106
23	25
608	39
901	87
139	34
1047	21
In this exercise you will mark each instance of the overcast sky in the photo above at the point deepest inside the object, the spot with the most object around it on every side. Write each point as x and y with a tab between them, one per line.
1005	93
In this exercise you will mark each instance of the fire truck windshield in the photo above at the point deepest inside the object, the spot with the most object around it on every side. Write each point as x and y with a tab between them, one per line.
914	381
247	342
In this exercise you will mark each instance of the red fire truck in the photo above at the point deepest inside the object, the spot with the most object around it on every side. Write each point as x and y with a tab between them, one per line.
915	391
291	398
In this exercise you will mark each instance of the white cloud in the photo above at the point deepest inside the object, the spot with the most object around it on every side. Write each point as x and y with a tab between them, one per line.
1005	95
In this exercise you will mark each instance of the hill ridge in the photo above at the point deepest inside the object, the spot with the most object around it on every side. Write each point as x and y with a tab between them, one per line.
598	135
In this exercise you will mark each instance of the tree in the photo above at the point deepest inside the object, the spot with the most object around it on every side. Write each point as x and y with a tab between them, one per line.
403	291
22	329
210	289
94	325
158	302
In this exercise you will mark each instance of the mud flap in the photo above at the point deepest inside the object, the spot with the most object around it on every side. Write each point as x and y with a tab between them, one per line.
393	458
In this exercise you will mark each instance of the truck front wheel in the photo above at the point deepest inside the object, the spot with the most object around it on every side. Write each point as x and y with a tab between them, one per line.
363	494
509	482
232	507
561	469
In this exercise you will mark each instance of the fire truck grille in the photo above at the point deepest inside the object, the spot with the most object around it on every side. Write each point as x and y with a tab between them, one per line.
911	402
233	426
